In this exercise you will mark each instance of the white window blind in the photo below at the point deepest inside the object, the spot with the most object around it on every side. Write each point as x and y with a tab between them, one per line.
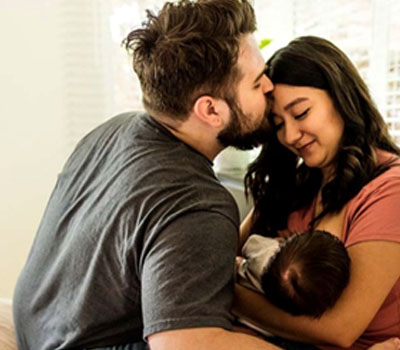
124	17
392	102
85	46
348	24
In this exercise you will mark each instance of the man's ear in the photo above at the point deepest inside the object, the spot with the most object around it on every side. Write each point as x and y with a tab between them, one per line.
210	110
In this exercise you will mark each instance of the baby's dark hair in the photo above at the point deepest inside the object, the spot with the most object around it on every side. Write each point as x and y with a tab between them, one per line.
308	274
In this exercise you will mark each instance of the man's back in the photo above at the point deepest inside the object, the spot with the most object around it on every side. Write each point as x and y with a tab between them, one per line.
126	182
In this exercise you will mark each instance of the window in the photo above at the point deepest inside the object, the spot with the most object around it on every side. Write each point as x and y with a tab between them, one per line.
84	38
391	104
124	17
100	82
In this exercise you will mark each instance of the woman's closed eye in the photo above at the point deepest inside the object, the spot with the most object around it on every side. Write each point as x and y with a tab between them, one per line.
301	115
278	123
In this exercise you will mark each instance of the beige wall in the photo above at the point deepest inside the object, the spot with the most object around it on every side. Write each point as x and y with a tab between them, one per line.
31	147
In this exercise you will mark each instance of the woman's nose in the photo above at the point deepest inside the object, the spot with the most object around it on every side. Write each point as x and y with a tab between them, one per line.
292	133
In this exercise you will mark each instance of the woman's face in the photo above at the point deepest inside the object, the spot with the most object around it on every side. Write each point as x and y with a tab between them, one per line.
308	124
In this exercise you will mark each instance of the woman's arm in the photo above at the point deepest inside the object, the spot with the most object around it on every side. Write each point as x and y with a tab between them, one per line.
245	228
375	269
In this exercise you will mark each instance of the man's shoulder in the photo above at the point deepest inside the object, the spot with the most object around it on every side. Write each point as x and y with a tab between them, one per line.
126	119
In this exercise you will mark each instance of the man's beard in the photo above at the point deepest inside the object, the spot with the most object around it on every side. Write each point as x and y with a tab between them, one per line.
233	134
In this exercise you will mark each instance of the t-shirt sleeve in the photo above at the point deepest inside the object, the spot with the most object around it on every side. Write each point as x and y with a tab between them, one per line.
375	213
187	274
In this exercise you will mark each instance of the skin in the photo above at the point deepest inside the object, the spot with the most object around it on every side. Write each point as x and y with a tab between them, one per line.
375	268
248	126
390	344
208	118
307	123
253	87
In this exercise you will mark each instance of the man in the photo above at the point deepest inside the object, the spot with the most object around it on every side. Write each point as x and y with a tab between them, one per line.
139	238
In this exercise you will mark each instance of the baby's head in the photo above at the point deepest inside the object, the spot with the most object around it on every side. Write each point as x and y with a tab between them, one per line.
308	273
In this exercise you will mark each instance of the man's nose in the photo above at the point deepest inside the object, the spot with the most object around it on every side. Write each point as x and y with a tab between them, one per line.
267	84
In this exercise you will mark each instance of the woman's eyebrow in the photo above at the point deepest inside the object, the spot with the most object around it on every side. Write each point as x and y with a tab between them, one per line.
294	102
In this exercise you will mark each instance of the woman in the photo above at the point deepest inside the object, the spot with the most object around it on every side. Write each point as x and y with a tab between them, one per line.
330	165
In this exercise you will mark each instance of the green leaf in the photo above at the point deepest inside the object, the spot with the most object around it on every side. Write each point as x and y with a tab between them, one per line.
264	42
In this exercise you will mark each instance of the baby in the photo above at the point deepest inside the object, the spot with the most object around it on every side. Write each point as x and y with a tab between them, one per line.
304	274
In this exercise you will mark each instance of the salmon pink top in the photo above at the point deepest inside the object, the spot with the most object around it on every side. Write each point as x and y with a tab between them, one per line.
372	215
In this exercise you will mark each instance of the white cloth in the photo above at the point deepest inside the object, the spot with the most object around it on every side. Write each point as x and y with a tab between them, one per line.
257	251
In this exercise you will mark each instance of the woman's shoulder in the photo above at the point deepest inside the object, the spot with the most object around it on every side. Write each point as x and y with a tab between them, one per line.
385	185
390	160
387	157
373	213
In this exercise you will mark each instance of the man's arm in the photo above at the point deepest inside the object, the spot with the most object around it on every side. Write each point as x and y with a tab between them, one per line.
206	339
187	286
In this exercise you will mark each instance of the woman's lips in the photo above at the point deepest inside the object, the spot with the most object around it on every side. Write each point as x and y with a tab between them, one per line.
305	147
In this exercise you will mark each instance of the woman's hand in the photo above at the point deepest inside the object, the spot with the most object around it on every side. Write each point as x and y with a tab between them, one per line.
390	344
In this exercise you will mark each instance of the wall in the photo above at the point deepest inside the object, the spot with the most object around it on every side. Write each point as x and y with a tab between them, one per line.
32	150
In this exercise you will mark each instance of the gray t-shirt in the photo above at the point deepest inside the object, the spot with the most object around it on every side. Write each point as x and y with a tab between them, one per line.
138	237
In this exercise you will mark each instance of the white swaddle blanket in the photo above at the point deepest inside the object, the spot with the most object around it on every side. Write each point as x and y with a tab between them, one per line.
256	253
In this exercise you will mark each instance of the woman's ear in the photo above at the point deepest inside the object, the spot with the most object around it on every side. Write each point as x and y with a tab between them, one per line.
210	110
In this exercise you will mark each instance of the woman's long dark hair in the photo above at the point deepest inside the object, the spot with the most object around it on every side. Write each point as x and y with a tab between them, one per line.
277	181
